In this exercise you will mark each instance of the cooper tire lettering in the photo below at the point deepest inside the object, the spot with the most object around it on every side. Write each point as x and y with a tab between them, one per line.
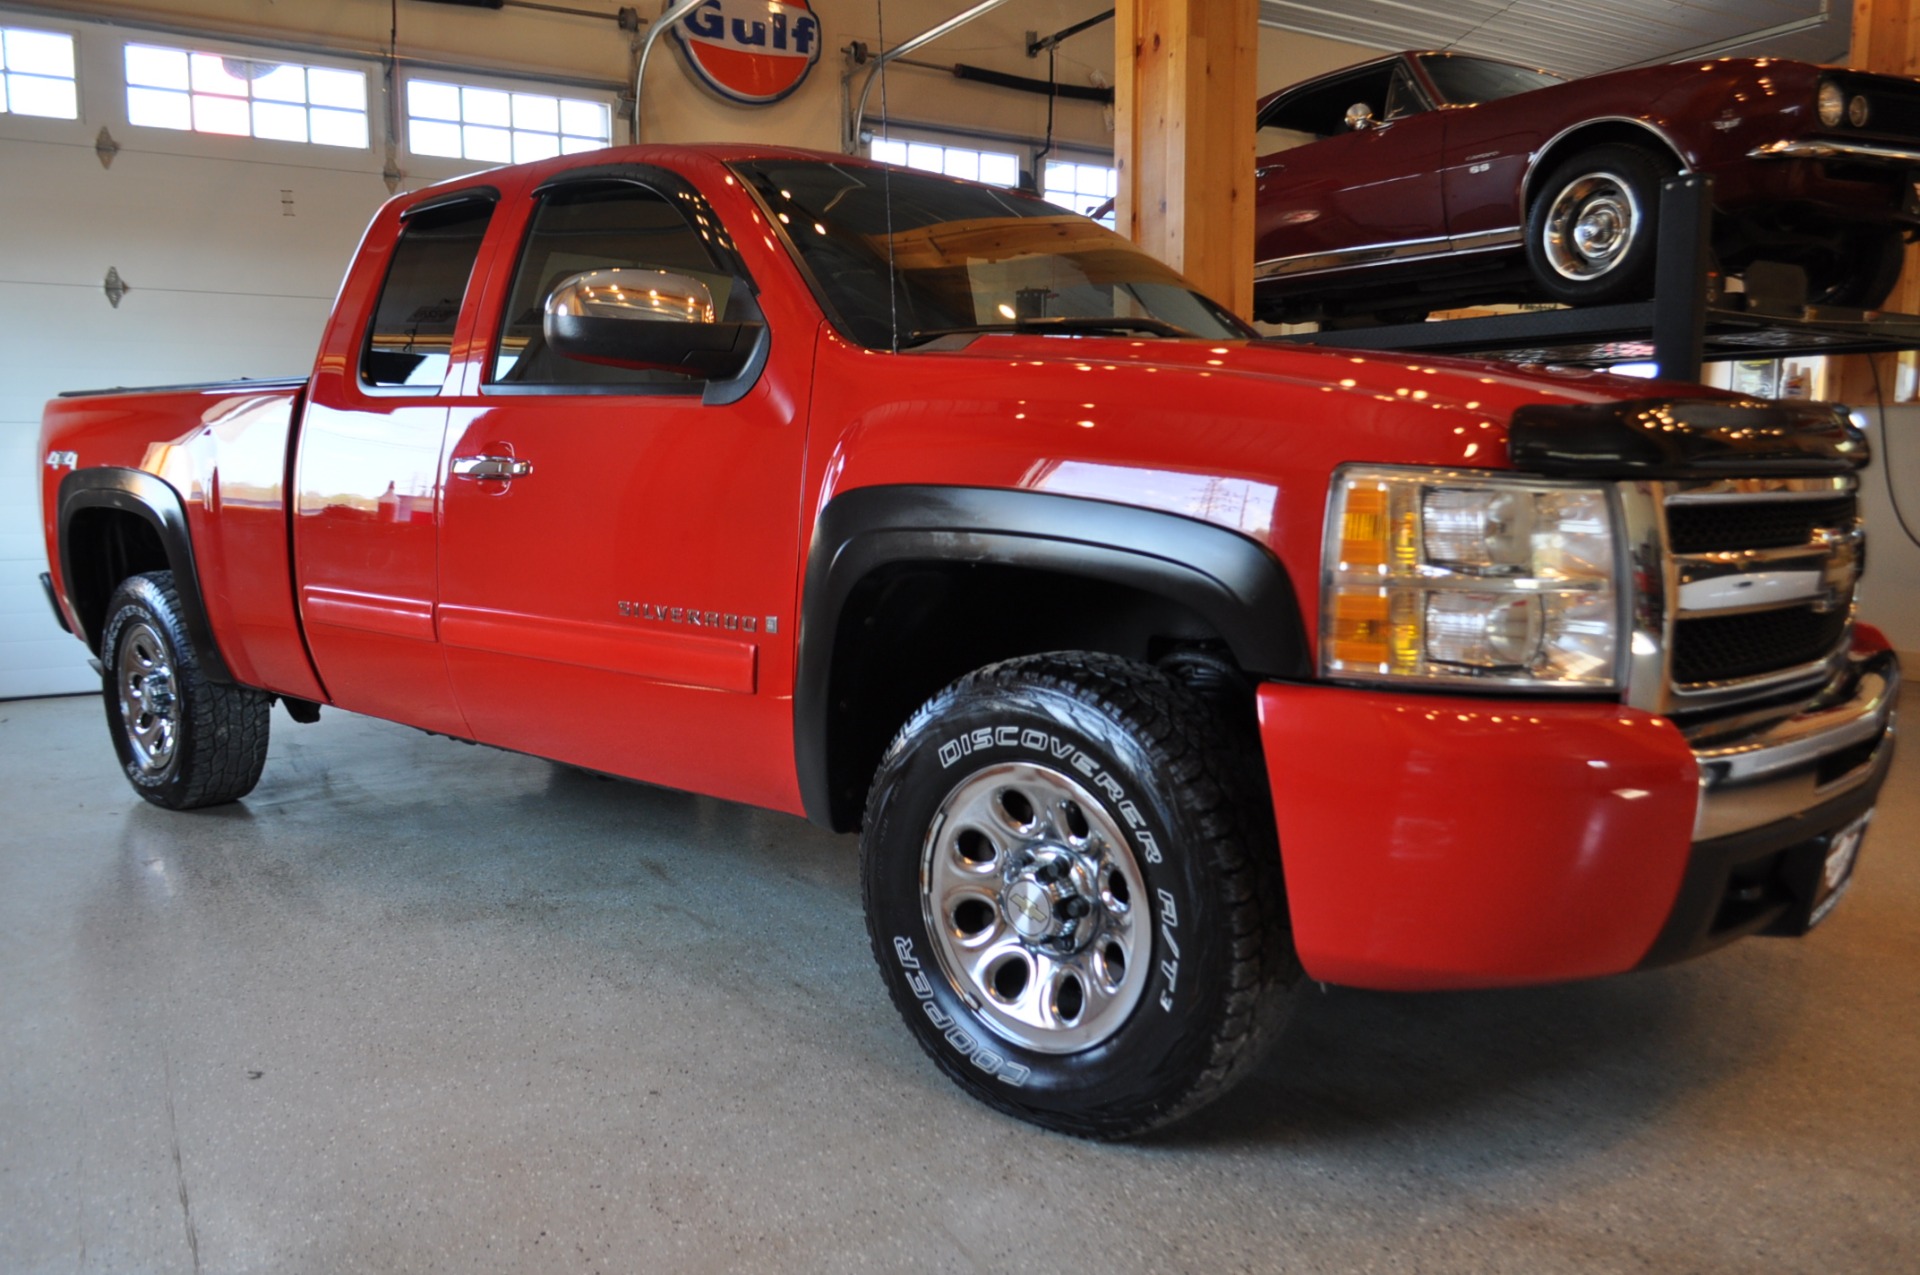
1137	959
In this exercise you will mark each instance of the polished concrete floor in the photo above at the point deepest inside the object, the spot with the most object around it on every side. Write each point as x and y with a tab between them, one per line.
415	1006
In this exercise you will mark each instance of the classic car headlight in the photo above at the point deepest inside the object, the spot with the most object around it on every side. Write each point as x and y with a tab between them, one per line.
1858	111
1469	577
1832	101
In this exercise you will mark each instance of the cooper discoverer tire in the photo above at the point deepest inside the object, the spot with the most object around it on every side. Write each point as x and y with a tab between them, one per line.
1073	892
183	741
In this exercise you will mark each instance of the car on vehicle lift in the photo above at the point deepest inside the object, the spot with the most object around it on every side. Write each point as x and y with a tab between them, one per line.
1425	180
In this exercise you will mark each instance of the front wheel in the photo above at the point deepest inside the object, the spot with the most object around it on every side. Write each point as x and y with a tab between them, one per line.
1073	893
183	741
1861	271
1591	229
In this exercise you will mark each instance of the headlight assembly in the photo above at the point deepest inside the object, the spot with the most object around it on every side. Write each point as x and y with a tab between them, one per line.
1831	102
1472	578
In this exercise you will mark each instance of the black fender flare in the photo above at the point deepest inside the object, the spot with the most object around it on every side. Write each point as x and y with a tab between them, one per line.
154	501
1228	579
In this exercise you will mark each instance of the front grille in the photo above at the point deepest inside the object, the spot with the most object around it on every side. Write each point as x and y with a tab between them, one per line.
1760	575
1727	648
1894	106
1766	524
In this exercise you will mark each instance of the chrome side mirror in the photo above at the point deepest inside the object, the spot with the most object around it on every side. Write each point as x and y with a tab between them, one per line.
650	319
646	295
1359	117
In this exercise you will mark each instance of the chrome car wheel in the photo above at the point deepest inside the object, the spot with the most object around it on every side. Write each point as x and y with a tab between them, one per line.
1591	226
183	739
1031	895
149	704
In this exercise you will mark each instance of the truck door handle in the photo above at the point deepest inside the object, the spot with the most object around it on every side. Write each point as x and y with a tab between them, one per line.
1264	169
503	467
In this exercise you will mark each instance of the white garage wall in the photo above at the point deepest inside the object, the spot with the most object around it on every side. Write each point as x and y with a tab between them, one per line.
232	247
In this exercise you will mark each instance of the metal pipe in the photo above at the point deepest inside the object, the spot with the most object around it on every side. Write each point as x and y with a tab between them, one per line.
851	139
671	18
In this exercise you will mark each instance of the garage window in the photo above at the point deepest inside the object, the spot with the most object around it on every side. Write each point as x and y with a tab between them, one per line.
498	126
995	168
36	74
1085	188
241	97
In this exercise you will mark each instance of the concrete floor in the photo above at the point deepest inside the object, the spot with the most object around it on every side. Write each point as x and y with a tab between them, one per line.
415	1006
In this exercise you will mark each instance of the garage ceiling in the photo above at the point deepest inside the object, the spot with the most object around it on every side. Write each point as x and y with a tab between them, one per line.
1578	37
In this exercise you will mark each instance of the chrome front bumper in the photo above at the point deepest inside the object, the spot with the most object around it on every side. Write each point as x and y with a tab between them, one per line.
1824	752
1805	148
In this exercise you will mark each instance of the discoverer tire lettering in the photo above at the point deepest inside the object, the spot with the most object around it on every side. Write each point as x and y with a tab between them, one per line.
1073	892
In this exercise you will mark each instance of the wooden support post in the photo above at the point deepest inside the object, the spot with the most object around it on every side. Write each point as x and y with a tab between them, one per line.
1886	39
1183	107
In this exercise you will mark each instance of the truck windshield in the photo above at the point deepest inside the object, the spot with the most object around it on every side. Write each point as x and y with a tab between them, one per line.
968	258
1465	81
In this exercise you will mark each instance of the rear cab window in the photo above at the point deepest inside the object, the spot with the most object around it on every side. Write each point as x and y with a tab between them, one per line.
410	340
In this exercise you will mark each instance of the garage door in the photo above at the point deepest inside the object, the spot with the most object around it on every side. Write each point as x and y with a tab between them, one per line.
229	248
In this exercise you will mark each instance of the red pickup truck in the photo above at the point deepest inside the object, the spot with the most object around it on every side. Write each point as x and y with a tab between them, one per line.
1162	668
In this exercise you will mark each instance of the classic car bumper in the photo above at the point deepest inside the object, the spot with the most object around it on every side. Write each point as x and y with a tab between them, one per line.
1439	842
1807	148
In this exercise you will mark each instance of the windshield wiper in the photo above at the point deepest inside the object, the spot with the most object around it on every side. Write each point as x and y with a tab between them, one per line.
1068	324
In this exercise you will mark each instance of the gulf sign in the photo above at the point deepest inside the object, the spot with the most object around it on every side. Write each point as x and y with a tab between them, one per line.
751	51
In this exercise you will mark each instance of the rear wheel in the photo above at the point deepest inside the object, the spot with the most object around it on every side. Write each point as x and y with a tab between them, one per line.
1591	230
1073	893
183	741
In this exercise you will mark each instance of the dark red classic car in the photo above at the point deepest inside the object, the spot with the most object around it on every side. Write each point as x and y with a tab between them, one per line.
1422	180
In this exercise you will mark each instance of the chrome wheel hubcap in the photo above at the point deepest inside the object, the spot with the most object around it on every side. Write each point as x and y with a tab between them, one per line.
1037	907
149	704
1591	226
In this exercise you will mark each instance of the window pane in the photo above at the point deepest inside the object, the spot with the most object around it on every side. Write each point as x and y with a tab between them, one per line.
39	53
931	158
575	230
576	145
494	145
888	152
429	100
36	95
158	108
531	146
486	106
345	89
210	75
339	128
278	122
1000	170
429	137
220	115
411	336
535	113
584	119
158	68
282	84
963	164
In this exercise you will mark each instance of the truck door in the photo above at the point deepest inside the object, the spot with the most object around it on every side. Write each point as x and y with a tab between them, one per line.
366	530
619	560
